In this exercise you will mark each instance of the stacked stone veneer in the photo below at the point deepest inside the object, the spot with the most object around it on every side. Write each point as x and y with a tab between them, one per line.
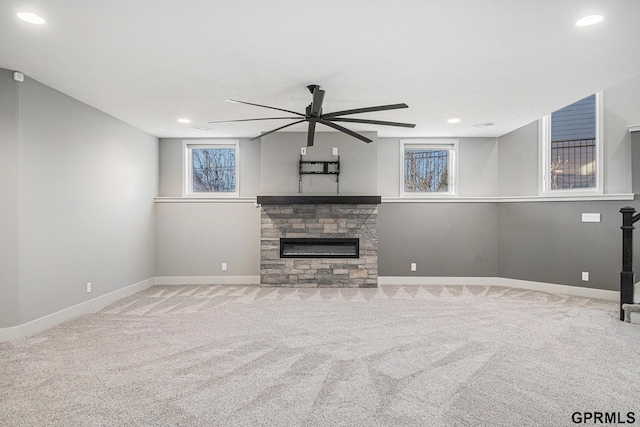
319	221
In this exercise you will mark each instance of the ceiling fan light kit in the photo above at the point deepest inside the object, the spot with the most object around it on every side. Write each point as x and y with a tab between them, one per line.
314	115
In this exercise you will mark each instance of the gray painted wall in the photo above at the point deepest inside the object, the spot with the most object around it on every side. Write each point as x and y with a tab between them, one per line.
548	242
477	164
518	162
444	239
194	239
518	150
635	156
86	188
281	154
9	248
621	108
170	174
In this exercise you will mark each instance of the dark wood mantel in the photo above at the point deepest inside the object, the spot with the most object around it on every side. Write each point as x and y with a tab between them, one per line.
319	200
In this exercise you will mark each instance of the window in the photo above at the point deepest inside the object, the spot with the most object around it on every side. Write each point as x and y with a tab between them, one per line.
428	168
211	168
571	148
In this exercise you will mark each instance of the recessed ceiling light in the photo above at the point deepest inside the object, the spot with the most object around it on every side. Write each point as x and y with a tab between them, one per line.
184	121
454	120
589	20
31	18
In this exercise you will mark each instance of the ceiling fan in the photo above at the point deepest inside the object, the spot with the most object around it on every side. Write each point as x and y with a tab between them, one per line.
314	115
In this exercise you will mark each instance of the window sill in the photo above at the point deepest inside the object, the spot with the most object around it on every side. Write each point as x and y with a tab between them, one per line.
515	199
438	199
201	199
568	198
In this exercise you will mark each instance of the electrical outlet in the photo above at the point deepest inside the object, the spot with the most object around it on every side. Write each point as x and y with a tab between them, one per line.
335	151
88	287
413	266
303	151
224	266
585	276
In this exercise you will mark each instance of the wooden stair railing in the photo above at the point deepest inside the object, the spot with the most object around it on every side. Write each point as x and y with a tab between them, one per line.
627	274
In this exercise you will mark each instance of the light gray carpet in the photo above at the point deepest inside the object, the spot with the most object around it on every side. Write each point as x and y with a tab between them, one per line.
397	356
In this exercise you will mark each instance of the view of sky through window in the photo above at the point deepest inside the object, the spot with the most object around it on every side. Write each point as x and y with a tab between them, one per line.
426	170
214	169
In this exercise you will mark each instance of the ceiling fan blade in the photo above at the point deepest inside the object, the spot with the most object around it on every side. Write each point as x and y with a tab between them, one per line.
265	106
200	127
345	130
276	129
251	120
316	104
373	122
311	133
364	110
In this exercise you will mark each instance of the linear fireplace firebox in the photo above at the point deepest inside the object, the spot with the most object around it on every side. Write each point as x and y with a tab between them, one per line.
319	248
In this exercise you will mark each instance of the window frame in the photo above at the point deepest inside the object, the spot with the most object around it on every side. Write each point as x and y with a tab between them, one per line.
544	164
450	145
187	167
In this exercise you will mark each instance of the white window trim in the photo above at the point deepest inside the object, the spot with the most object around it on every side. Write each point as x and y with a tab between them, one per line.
544	137
187	166
432	144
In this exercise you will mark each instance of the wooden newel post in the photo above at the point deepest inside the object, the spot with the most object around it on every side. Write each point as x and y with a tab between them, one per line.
627	274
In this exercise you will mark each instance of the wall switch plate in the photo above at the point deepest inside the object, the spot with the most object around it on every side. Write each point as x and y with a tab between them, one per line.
303	151
335	151
224	266
590	217
413	266
88	287
585	276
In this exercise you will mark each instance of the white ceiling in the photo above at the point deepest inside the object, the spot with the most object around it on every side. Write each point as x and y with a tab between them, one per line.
150	62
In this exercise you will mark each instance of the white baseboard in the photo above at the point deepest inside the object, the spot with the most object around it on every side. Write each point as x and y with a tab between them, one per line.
39	325
500	281
415	280
10	333
208	280
577	291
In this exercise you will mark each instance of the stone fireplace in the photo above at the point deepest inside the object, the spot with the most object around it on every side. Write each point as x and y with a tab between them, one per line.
326	224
